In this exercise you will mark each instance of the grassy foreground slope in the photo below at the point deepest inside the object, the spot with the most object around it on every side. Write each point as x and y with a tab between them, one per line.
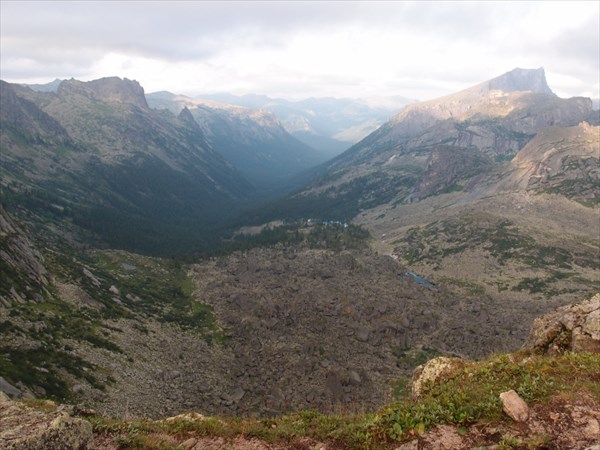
454	403
460	410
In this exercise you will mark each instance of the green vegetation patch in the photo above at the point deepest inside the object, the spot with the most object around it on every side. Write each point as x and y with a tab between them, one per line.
110	285
41	367
472	392
331	235
159	288
469	288
501	238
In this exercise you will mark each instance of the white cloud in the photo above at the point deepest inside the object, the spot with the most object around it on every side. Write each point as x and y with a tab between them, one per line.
298	49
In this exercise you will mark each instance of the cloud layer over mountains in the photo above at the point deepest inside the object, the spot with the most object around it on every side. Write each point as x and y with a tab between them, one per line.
301	49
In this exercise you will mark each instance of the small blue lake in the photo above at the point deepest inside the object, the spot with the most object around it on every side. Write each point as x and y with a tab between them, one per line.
422	281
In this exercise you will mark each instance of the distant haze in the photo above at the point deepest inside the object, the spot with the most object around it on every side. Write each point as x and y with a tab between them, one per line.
297	50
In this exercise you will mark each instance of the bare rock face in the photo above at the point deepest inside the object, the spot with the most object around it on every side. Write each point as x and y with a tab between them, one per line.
574	328
109	89
433	370
533	80
21	264
450	164
514	406
23	428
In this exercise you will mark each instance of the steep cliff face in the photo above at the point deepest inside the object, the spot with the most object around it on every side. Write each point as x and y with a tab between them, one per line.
24	276
110	89
533	80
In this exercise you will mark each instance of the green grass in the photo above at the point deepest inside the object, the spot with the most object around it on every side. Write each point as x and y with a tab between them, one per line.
469	288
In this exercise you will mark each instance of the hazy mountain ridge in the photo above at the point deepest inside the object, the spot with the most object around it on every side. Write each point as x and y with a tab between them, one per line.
252	140
327	124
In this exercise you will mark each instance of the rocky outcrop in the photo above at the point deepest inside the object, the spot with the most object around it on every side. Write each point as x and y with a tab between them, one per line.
109	89
533	80
574	328
560	160
432	371
23	428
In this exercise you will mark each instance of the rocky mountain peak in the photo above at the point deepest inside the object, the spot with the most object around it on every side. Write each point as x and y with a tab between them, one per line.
109	89
533	80
187	117
495	98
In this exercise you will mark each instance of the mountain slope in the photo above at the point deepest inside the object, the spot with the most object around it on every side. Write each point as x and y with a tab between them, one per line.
253	141
396	161
95	154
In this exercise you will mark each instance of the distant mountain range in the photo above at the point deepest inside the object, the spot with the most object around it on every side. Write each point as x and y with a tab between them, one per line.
329	125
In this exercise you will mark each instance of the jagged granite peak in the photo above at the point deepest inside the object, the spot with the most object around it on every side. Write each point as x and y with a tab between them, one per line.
108	89
533	80
187	117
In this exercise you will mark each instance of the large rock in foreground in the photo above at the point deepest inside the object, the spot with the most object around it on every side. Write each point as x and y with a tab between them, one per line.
575	328
23	428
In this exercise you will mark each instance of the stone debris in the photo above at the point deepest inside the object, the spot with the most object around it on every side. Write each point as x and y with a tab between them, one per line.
8	389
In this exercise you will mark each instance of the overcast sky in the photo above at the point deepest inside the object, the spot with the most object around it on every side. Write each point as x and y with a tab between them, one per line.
301	49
